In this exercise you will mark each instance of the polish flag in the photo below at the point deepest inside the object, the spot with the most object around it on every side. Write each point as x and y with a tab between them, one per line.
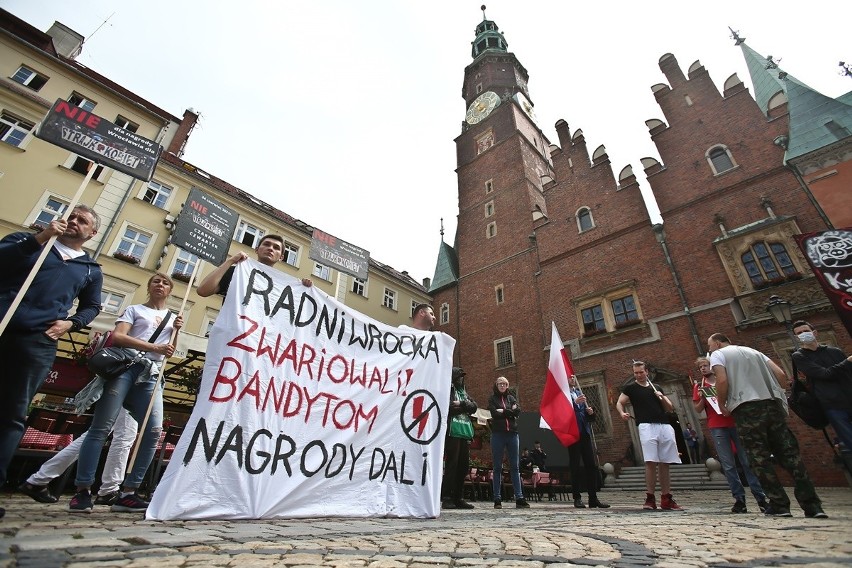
557	410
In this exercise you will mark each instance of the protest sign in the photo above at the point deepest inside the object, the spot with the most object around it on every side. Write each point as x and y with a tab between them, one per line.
337	253
93	137
205	227
308	408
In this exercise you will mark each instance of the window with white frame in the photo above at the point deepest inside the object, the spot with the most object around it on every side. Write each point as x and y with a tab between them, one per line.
248	234
498	292
504	352
491	230
291	254
157	194
414	304
13	130
607	311
53	208
133	243
389	299
185	263
29	78
112	302
489	209
322	271
359	286
79	100
584	219
489	186
126	124
720	159
445	313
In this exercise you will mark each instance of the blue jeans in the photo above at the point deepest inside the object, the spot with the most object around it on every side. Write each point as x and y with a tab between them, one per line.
26	358
841	421
722	438
135	397
502	442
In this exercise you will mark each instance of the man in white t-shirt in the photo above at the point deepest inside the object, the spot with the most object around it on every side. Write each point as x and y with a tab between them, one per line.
748	387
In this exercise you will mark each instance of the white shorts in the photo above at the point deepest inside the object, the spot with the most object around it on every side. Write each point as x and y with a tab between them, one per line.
658	443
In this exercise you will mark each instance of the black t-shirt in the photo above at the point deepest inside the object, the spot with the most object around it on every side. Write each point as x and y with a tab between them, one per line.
647	408
225	282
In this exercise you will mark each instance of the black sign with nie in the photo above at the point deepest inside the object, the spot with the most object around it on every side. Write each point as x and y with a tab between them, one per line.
205	227
99	140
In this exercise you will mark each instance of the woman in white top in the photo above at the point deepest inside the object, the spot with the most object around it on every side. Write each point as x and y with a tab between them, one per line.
133	390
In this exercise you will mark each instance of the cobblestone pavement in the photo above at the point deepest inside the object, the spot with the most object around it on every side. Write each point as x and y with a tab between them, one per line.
552	534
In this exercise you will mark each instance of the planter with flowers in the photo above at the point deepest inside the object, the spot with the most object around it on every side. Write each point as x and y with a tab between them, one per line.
182	276
128	258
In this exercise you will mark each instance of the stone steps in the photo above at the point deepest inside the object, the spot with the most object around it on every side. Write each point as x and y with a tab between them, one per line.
691	477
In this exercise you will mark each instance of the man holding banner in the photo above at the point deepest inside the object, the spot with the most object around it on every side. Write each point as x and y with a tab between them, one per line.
28	343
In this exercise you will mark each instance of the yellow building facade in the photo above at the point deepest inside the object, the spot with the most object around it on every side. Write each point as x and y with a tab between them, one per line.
38	180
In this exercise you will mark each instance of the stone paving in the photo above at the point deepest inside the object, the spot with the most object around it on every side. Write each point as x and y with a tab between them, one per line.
551	534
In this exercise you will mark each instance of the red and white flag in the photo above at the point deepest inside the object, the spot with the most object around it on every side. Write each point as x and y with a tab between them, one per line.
557	410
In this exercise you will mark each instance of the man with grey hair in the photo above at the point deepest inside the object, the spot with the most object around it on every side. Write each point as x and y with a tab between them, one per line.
28	344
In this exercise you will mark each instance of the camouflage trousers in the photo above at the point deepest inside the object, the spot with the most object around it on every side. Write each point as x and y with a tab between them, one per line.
763	430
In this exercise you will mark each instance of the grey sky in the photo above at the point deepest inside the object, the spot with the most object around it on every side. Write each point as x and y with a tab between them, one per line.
343	113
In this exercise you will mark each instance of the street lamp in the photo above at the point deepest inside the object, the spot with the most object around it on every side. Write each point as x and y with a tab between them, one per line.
783	314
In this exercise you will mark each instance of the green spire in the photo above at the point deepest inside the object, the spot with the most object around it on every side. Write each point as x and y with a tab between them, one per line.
488	37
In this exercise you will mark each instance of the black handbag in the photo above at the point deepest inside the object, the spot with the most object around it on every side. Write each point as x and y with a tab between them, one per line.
805	405
110	362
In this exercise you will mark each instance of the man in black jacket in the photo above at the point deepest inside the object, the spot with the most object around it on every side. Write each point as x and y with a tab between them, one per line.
28	344
829	374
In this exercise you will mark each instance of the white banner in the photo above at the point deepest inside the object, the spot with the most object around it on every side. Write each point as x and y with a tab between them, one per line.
309	409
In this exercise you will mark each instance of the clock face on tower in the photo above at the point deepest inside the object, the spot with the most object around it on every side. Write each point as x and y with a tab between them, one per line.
481	107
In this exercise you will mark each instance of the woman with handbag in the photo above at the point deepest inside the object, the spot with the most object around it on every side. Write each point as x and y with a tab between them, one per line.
147	329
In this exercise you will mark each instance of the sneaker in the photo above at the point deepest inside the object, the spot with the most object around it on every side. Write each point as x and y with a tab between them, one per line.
762	505
667	503
595	504
739	506
462	504
38	492
129	504
578	504
650	502
498	505
773	512
108	499
522	504
81	502
815	512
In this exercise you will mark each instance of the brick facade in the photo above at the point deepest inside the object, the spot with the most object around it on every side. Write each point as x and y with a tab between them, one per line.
686	277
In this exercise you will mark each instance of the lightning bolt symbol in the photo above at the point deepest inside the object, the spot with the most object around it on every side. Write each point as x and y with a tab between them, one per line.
419	415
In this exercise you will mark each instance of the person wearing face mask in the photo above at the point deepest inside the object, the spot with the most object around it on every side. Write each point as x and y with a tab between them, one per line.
829	375
748	387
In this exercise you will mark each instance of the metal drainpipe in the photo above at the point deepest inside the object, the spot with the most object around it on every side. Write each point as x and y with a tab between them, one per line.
661	238
811	197
114	219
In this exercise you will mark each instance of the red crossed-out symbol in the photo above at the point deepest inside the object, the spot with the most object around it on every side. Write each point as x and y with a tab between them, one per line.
420	411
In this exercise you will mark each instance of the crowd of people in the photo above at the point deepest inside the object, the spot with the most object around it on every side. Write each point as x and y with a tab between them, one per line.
740	390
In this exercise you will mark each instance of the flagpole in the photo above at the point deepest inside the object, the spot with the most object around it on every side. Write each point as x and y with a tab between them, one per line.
44	252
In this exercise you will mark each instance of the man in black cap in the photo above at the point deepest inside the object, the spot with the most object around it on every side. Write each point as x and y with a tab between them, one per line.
457	445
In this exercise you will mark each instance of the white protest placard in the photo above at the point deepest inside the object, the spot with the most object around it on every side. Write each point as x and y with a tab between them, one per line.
307	409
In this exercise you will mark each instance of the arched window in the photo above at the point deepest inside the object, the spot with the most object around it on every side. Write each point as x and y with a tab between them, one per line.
720	159
584	219
765	262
